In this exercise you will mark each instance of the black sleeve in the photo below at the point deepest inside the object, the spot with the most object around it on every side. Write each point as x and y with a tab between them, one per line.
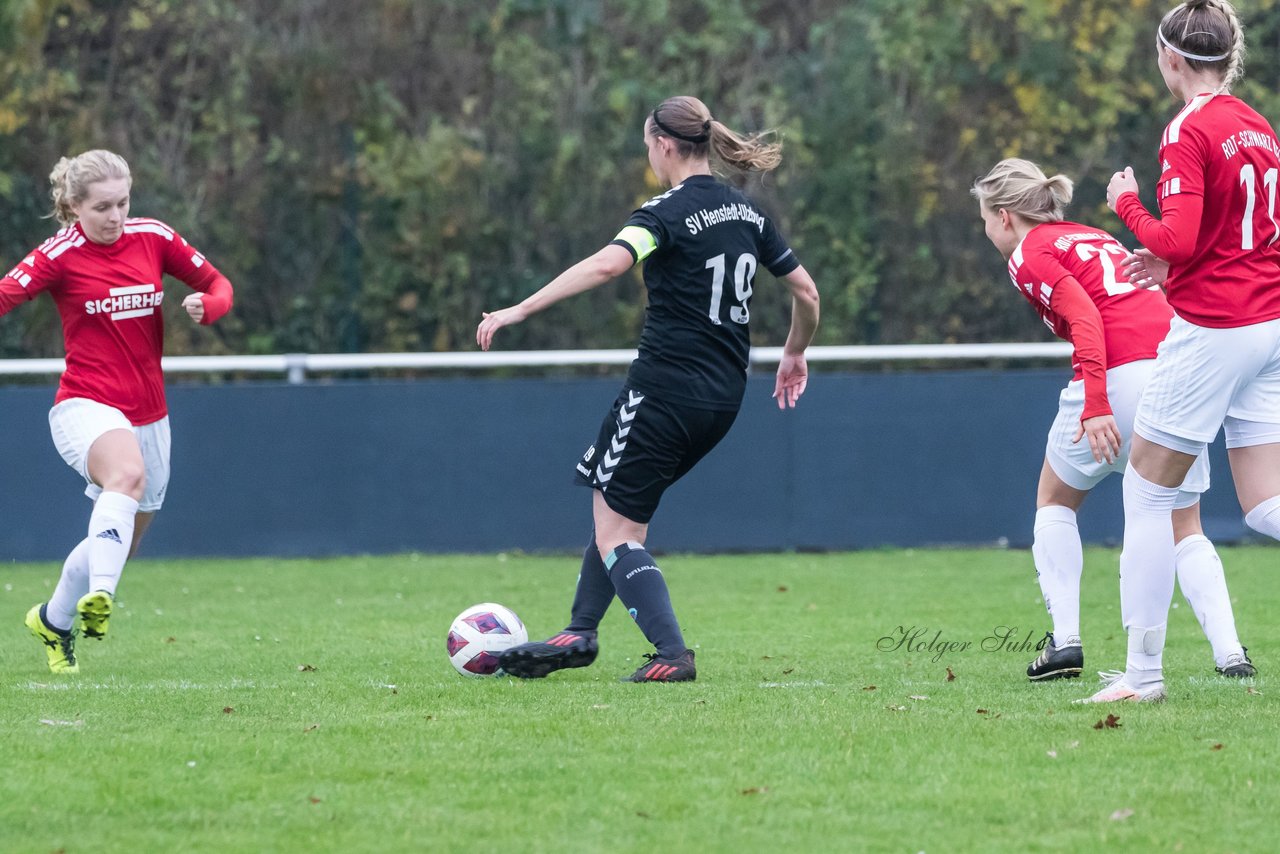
775	254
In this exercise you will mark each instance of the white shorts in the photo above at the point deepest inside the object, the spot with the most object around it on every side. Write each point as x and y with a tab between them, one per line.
78	422
1074	463
1206	378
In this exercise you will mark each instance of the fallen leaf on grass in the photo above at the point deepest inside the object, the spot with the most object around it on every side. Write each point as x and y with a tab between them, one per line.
782	588
1121	815
982	711
1216	747
951	677
306	668
226	710
314	799
170	639
756	790
642	814
1111	722
788	671
869	688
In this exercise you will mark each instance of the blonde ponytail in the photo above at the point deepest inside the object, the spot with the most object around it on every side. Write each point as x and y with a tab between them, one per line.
1020	187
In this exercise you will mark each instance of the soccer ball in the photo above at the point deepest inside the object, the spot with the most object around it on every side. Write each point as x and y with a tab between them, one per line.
480	634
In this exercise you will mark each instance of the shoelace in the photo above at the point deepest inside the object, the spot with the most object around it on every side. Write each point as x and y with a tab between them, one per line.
1110	677
66	643
1046	644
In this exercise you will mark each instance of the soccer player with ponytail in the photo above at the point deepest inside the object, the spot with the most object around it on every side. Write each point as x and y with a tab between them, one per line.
109	421
701	243
1216	250
1070	275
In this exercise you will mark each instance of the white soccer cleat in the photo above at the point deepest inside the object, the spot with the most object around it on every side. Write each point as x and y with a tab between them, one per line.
1117	690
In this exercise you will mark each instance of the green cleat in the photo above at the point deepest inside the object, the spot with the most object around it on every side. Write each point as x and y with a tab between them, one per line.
60	648
95	613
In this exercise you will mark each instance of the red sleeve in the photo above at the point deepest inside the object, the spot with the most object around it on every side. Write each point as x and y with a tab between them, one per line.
25	281
12	294
184	261
1173	237
1070	302
217	298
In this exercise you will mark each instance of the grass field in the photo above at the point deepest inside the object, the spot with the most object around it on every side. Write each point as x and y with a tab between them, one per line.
266	705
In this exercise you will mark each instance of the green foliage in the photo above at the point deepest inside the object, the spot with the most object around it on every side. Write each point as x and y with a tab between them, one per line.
373	176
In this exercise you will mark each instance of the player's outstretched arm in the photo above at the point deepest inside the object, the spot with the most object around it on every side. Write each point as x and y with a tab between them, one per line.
608	263
793	371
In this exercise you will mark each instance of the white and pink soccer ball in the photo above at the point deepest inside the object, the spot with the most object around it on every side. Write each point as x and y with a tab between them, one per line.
480	634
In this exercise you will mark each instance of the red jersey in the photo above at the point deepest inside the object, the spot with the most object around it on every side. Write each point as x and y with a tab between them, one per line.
1071	275
109	299
1219	163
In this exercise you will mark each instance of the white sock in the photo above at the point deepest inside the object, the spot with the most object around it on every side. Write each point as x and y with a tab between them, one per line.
1146	574
1143	667
110	535
1202	582
72	584
1059	561
1265	518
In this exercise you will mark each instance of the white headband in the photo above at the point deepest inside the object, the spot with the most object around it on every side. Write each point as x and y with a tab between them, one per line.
1195	56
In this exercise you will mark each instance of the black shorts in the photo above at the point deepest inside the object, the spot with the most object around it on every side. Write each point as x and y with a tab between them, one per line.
644	446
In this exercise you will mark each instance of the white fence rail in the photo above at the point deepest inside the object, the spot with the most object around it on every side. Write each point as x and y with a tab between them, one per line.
297	366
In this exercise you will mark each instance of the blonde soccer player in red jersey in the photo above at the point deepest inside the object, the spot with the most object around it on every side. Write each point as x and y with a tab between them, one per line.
1215	249
105	271
1071	275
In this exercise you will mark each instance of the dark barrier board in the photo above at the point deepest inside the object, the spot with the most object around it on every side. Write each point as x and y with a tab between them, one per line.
481	465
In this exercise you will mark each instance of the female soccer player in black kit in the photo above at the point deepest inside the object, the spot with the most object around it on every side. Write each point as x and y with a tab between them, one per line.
702	242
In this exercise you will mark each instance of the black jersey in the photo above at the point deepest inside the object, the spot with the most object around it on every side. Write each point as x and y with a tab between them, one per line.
701	242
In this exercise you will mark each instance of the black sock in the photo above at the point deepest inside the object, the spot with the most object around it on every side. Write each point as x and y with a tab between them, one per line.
643	590
594	594
44	618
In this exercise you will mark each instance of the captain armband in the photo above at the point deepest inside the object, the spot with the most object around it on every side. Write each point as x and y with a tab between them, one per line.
639	240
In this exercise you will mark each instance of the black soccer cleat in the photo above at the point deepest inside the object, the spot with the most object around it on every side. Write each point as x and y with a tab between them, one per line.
535	660
1238	666
1057	662
659	669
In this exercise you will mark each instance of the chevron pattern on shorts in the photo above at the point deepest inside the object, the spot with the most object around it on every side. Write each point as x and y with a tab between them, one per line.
618	443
